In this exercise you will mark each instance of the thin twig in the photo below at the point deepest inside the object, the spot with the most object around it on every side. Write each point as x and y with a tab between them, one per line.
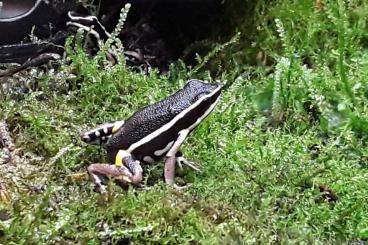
61	152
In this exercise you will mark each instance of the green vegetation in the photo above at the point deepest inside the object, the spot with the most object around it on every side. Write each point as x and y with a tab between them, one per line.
290	129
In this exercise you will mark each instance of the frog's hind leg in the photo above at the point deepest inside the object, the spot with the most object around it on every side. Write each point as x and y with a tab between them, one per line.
99	172
124	159
126	170
101	133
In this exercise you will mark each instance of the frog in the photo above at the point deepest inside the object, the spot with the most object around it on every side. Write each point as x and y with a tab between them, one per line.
152	133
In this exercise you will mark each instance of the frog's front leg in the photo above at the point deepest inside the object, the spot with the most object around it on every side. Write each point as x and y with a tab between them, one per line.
125	170
171	158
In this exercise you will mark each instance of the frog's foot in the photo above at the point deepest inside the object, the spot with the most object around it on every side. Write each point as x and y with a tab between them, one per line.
182	160
99	172
170	174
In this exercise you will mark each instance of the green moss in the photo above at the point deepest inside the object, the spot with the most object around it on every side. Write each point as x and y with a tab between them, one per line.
293	120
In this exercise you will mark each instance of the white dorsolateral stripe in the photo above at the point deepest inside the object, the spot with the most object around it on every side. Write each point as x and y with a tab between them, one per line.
199	120
167	126
164	150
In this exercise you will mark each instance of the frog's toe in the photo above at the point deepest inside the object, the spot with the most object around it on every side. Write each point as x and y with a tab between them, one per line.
100	188
183	161
100	173
136	179
99	181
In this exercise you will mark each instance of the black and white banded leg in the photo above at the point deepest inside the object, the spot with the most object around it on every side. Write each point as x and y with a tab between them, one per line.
100	134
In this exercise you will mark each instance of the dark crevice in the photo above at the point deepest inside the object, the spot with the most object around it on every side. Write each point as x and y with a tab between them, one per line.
164	28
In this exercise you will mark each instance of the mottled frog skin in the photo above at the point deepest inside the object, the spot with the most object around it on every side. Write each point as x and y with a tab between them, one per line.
152	133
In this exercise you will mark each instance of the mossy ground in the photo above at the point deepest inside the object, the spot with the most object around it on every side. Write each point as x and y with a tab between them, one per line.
291	129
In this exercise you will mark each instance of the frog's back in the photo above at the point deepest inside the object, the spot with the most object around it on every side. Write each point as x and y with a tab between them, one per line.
149	119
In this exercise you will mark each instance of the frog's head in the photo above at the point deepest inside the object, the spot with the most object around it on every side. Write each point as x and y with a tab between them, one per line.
199	89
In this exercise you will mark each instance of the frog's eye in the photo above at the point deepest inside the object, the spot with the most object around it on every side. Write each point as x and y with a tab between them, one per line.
198	96
203	94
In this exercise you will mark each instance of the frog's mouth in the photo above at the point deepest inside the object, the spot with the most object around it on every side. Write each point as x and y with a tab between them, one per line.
13	10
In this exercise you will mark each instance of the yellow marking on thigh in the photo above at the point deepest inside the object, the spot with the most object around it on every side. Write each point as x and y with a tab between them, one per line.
119	157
